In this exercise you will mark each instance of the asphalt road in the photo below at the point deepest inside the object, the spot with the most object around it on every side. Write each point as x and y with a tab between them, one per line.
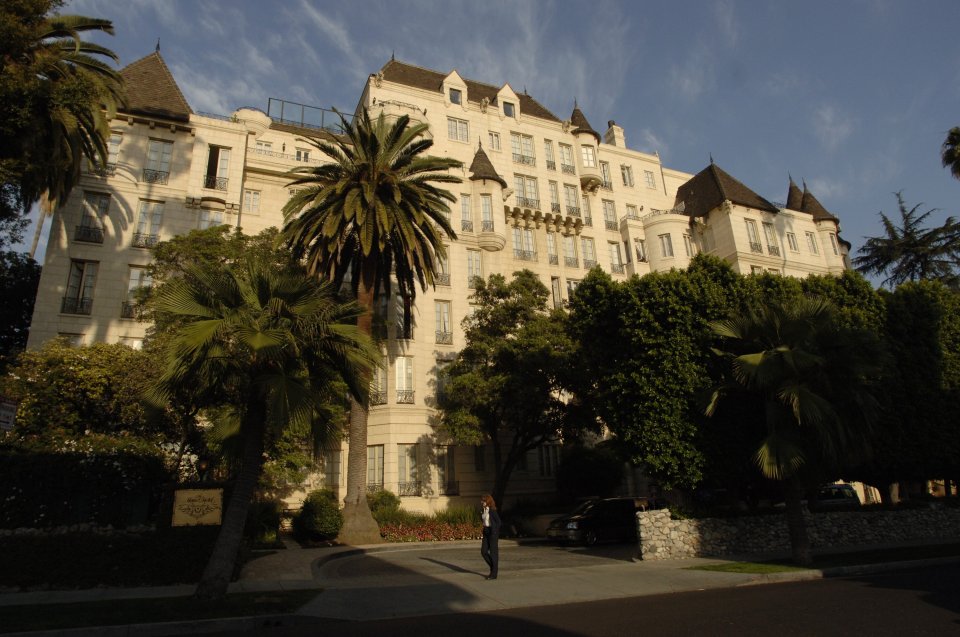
904	603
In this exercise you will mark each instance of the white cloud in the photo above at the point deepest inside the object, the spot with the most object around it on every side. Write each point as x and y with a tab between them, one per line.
727	22
827	188
831	126
651	142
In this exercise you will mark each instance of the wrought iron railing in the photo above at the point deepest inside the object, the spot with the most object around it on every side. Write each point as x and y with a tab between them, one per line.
525	255
409	488
107	170
555	207
573	211
90	234
528	160
774	250
617	268
588	221
215	183
443	279
551	165
444	338
130	310
466	226
554	259
486	226
589	263
73	305
374	487
143	240
155	176
568	168
524	202
378	397
609	224
404	396
756	247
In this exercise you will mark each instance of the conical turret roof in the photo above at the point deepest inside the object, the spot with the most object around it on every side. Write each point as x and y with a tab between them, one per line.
810	205
152	91
482	168
581	125
794	196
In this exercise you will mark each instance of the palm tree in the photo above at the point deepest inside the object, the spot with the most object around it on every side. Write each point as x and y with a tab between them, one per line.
270	343
372	212
59	98
950	152
910	252
806	384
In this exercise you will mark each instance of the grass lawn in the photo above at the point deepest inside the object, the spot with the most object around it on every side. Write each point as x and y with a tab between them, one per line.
136	611
834	560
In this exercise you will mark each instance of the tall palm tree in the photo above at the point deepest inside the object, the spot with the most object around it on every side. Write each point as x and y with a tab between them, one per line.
911	252
950	152
269	343
371	215
807	383
59	97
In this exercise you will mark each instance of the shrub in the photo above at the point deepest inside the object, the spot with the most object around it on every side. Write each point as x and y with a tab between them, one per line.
381	500
459	515
320	518
263	521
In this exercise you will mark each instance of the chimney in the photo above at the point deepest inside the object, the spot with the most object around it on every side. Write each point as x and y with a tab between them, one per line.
614	135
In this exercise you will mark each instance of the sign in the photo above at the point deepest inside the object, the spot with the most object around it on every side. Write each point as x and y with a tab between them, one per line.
8	414
195	507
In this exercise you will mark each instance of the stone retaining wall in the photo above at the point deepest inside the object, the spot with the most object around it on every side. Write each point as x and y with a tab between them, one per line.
662	538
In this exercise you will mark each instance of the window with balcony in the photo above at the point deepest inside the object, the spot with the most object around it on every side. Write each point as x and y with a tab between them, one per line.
566	159
588	252
456	96
210	218
218	166
523	245
408	474
147	232
458	129
444	328
812	243
378	384
626	174
640	249
666	245
571	197
80	285
374	468
486	213
609	215
588	156
522	149
552	248
554	197
792	242
251	201
113	156
466	213
606	180
773	246
95	208
570	252
157	170
616	258
139	283
649	179
753	237
447	471
474	268
587	214
494	138
548	155
442	276
404	371
526	191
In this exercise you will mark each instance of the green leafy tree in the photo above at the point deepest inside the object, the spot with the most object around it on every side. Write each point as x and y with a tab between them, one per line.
802	386
19	277
911	252
372	215
57	96
950	152
505	385
269	344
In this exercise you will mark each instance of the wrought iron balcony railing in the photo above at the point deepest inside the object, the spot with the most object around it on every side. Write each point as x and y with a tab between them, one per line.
215	183
486	226
551	165
90	234
555	207
409	488
466	226
524	202
404	396
554	259
374	487
73	305
588	221
617	268
568	168
525	255
155	176
573	211
107	170
378	397
444	338
609	224
589	263
774	250
528	160
143	240
443	279
571	262
129	310
756	247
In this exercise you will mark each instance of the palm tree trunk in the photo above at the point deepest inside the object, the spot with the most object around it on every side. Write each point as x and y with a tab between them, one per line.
359	527
796	525
216	576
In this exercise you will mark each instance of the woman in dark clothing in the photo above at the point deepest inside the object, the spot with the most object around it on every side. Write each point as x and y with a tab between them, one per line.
491	534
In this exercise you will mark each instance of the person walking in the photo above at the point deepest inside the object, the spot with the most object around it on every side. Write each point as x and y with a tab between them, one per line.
491	534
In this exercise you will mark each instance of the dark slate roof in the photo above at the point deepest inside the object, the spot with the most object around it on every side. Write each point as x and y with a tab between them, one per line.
481	168
151	89
711	187
812	206
410	75
794	197
581	125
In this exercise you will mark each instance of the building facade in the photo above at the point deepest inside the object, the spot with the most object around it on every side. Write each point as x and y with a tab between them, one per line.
539	192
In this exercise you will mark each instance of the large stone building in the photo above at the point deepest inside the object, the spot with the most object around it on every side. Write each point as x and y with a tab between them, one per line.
539	191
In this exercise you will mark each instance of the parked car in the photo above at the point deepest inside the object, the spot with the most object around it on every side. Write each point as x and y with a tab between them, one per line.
836	497
609	519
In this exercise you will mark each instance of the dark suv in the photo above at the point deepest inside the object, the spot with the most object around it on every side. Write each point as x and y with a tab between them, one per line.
610	519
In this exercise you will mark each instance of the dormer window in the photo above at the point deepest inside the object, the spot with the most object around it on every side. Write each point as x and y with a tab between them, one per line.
456	96
509	110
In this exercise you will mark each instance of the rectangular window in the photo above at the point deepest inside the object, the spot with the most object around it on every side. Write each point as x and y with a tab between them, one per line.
523	245
95	208
80	285
616	260
331	468
552	247
607	183
527	191
509	110
626	173
770	234
138	282
375	467
378	384
571	197
588	156
687	244
640	249
494	140
554	197
251	201
303	154
834	245
570	251
443	267
572	287
522	148
555	292
441	313
408	474
210	218
455	95
753	236
263	148
548	155
486	213
113	152
218	165
158	162
756	269
148	224
609	215
474	268
466	213
403	313
566	159
549	456
447	471
458	129
404	370
812	243
666	245
792	242
586	249
649	179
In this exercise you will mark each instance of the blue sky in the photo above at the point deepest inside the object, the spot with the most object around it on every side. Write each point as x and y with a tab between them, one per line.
853	96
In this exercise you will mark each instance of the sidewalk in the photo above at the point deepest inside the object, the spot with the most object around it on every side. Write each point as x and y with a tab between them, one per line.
403	580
